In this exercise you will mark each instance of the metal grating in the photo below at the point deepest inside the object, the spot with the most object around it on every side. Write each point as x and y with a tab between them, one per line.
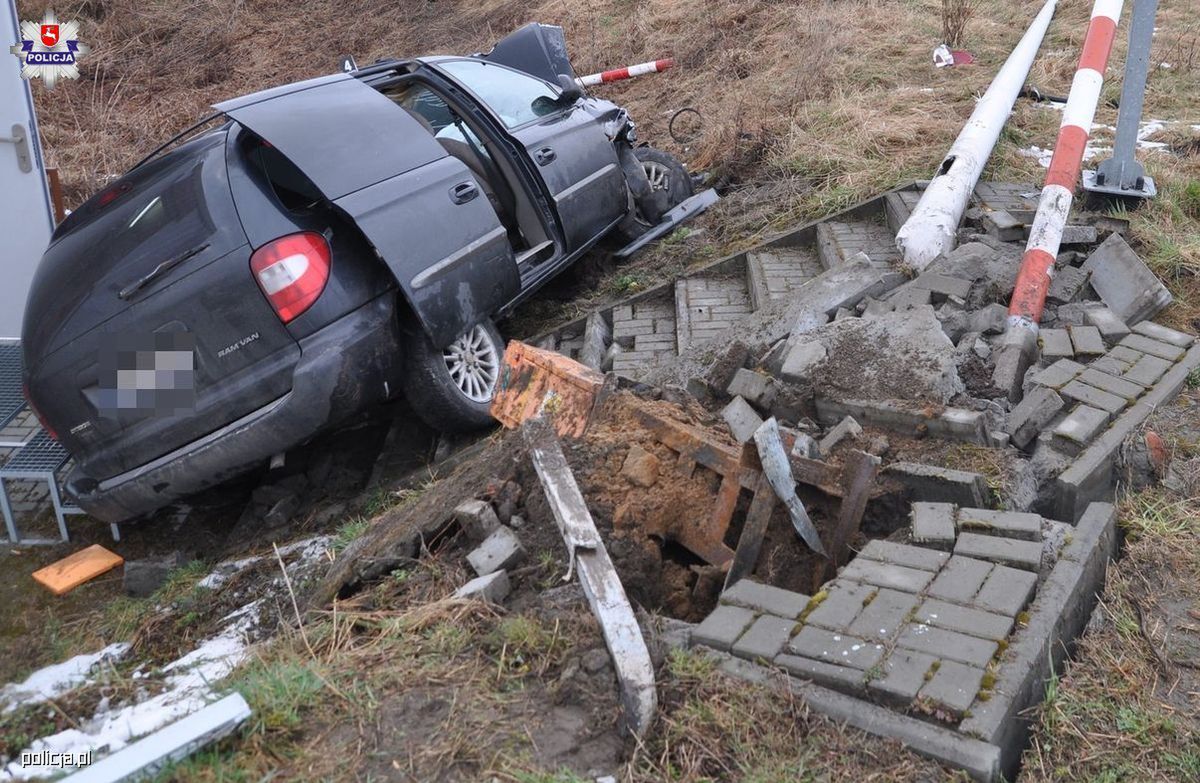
11	398
42	454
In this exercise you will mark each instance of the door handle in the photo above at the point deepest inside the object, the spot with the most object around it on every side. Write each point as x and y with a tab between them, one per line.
463	192
20	139
545	156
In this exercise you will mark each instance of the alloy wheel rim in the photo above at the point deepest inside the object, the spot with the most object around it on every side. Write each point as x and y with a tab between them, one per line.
658	174
473	364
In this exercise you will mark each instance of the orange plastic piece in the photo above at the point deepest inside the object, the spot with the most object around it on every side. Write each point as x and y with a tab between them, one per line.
74	570
536	382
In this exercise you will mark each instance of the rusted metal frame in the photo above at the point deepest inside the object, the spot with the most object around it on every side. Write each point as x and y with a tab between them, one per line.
750	542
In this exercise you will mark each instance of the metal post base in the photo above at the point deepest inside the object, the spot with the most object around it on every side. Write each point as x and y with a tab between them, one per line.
1148	189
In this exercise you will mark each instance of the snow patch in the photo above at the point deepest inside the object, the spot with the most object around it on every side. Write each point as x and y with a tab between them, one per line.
59	678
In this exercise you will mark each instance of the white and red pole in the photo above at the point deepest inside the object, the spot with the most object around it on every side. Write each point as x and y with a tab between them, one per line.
617	74
1045	235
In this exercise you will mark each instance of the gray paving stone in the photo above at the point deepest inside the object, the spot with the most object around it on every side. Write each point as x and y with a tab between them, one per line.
945	285
933	524
1065	285
1010	524
1125	353
1124	282
755	388
1110	365
1007	551
1086	340
765	598
764	639
801	360
945	644
842	603
723	627
909	580
953	687
1111	327
1117	386
1058	374
742	419
941	485
1148	370
1097	398
1032	414
1056	344
1163	334
1081	425
1138	342
902	675
836	648
841	678
904	555
1006	590
973	622
881	619
960	579
502	549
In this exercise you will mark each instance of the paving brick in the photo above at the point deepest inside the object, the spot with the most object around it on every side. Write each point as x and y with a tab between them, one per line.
500	550
493	587
1104	382
1010	524
1125	353
1086	340
723	627
973	622
741	418
907	298
1058	374
836	648
1144	344
764	639
947	644
1008	551
1097	398
1032	414
842	602
1065	284
1081	425
881	619
801	360
1111	327
840	677
960	579
756	388
909	580
953	687
904	555
1110	365
1163	334
902	675
941	485
945	285
933	524
1056	344
1147	370
765	598
1006	590
1124	282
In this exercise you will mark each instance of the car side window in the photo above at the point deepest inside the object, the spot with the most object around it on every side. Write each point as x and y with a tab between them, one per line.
515	97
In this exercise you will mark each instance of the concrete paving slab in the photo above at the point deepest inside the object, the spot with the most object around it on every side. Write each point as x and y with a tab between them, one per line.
1138	342
723	627
1111	327
1164	334
973	622
953	687
1055	344
904	555
933	524
1058	374
960	579
836	648
1104	382
909	580
1130	289
1147	371
1006	590
765	598
881	619
1086	340
842	602
947	645
901	676
1009	524
1006	551
1097	398
764	639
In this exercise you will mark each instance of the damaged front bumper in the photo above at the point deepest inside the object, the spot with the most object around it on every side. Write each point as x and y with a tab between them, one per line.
680	213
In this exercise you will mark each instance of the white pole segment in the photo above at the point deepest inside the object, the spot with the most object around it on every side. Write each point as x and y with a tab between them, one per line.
932	228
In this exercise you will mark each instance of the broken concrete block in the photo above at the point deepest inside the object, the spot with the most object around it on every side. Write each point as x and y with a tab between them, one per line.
933	524
501	549
875	307
641	467
756	388
1032	414
1003	226
1086	340
1072	313
942	485
806	446
943	286
1079	235
842	312
493	587
742	419
1066	284
596	337
799	362
991	319
842	286
845	428
909	297
477	519
143	577
1124	282
730	358
1055	345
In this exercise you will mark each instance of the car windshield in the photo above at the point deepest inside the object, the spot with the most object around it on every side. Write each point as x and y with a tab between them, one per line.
515	97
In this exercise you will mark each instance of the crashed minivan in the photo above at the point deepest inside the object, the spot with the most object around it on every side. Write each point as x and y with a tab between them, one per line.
320	247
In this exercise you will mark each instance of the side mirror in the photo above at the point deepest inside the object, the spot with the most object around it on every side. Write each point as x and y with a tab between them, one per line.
571	91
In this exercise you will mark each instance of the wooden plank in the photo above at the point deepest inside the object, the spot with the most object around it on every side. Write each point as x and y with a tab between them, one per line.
169	744
601	584
750	542
858	478
73	570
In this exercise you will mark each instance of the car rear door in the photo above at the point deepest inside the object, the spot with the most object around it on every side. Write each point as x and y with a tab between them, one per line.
567	146
422	210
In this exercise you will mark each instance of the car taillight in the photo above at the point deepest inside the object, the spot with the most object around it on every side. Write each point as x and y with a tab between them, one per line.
49	430
292	272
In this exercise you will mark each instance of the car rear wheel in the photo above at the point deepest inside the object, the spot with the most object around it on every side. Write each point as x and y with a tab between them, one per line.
452	388
666	173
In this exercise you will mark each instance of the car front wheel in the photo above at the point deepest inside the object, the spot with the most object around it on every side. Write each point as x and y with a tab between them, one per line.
452	388
666	174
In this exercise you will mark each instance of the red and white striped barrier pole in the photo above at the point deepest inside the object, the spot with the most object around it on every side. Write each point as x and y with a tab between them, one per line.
1045	235
617	74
